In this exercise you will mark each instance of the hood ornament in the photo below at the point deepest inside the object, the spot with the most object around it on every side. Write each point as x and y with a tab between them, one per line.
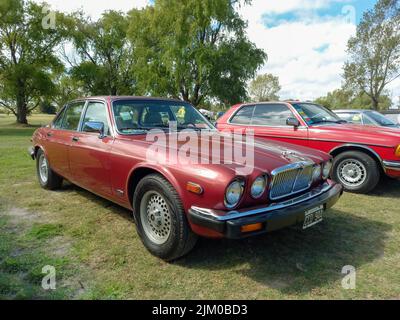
292	156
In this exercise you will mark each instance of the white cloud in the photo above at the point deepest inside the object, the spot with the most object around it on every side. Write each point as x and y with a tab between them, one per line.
94	8
306	54
282	6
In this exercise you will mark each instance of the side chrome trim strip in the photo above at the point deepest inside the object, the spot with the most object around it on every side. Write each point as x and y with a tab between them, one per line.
391	165
274	206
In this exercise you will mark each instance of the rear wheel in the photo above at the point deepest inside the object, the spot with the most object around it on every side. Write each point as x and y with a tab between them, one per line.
48	179
356	171
161	220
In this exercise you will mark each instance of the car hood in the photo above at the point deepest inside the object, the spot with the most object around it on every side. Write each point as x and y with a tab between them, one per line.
353	133
267	155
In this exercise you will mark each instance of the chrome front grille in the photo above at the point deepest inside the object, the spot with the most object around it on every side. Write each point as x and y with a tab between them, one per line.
291	179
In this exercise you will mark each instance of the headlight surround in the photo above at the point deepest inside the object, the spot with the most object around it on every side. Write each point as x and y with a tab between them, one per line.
234	193
326	170
258	187
317	171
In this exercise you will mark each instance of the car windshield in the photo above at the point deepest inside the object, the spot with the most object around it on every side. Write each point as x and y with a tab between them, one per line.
316	114
380	119
136	116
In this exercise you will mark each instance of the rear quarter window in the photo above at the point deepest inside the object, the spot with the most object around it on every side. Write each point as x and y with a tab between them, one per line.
243	116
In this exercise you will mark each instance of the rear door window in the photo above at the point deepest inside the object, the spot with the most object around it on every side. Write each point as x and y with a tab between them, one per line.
271	115
73	116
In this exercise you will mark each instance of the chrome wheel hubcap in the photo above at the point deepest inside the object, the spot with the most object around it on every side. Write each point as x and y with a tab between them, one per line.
155	217
352	172
43	168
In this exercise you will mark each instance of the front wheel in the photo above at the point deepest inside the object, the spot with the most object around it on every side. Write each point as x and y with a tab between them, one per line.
160	219
356	171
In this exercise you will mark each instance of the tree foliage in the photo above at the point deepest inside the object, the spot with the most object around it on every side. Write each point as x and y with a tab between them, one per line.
27	58
374	53
346	99
193	50
265	88
106	57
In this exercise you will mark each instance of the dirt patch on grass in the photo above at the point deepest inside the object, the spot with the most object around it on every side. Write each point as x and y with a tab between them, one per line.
18	215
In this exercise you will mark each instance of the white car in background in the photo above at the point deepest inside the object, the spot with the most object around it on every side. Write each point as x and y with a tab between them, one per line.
366	117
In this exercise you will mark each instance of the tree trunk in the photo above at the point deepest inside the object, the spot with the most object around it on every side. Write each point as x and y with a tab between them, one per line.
375	103
22	109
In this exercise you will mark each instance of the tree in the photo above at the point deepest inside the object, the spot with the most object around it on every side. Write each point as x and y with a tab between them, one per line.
374	59
67	89
27	56
265	88
346	99
106	57
193	50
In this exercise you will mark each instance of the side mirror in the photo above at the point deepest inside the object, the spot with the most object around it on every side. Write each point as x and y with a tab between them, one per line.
94	126
293	122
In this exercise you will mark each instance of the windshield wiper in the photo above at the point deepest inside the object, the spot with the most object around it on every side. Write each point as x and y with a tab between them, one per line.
325	121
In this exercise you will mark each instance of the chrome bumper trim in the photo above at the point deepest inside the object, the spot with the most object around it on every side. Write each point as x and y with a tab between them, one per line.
31	151
391	165
224	216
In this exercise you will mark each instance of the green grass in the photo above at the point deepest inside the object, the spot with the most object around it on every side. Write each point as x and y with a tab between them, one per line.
94	247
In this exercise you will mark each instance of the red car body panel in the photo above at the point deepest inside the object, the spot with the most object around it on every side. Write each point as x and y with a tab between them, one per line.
327	138
108	167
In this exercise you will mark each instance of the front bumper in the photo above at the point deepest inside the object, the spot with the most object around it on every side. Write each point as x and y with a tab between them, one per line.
273	217
31	152
391	165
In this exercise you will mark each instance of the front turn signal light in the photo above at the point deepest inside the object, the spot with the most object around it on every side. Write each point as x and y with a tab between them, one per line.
397	153
251	227
194	188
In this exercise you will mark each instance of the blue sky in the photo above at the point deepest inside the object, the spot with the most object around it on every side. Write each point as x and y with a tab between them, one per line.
306	42
332	9
305	39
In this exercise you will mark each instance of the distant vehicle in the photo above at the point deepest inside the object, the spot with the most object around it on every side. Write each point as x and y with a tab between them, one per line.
393	115
220	114
362	154
366	117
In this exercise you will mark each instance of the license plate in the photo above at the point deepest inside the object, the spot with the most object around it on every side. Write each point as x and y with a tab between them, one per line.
313	217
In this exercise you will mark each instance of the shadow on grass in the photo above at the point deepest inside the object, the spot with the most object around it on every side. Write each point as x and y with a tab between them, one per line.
388	188
290	260
295	261
69	187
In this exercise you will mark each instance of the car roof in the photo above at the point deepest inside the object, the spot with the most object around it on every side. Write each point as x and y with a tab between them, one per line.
117	98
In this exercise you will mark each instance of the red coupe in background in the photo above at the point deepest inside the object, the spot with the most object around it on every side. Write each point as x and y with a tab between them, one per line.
361	153
102	144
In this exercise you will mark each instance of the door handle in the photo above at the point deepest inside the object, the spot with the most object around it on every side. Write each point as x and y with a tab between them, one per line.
75	139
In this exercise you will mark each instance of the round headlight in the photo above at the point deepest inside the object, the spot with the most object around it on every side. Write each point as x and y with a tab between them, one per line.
233	193
258	187
326	172
317	173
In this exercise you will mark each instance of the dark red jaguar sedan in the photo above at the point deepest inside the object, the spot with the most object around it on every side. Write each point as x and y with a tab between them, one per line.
163	160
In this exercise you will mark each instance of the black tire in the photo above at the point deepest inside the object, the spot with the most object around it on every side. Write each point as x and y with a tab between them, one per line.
372	174
181	238
53	181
